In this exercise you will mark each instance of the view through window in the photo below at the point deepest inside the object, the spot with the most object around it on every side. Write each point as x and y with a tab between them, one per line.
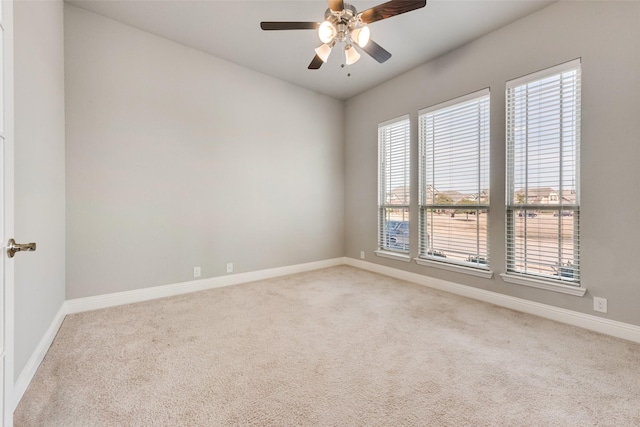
454	181
393	185
543	170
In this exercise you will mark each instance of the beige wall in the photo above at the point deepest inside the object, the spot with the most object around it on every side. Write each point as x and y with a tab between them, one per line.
178	159
39	171
606	36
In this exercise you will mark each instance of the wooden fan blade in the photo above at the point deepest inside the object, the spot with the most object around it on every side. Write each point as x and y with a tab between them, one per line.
336	5
376	51
316	63
268	26
390	9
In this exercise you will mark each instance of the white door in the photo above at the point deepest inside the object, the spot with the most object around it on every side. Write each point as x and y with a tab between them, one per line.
6	210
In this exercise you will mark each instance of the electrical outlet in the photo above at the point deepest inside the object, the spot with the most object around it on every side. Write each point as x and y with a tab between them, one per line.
196	272
600	304
229	267
361	254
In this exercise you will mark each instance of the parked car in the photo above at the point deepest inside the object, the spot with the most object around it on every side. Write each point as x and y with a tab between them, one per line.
529	214
397	234
436	253
477	260
563	213
565	270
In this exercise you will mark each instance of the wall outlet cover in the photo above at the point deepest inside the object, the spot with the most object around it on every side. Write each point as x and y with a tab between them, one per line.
600	304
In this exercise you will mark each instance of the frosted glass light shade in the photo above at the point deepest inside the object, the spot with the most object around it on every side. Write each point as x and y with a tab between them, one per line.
361	35
323	52
327	32
351	55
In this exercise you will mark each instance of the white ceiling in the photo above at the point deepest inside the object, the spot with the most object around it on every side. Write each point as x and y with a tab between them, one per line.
230	29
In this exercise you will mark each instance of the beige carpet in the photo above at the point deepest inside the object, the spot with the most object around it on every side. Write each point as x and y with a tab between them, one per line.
333	347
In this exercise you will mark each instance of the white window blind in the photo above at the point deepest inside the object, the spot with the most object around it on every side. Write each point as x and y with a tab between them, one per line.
393	185
454	181
543	174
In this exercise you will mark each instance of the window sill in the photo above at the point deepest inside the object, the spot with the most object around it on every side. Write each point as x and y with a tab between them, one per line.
393	255
544	284
479	272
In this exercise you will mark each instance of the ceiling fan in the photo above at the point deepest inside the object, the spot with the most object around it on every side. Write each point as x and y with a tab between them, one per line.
343	24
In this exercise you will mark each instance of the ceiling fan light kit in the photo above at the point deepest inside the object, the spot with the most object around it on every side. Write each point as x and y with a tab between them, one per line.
343	24
351	54
324	51
327	32
361	35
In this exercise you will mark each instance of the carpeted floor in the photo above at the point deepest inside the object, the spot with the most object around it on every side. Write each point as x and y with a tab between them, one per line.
333	347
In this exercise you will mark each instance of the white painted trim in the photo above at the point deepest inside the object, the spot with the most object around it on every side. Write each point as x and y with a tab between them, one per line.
127	297
396	120
585	321
544	284
479	272
7	198
538	75
459	100
23	381
393	255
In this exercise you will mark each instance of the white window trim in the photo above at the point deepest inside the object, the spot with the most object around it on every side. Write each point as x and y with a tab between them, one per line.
448	265
385	251
393	121
527	279
398	256
459	100
547	72
443	265
543	284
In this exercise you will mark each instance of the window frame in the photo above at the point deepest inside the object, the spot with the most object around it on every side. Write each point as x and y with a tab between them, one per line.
385	247
426	254
566	279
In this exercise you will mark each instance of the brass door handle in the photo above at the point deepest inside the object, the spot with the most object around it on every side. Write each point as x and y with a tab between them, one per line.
14	247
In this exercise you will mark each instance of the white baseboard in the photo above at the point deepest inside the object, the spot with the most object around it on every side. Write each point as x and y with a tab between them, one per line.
120	298
585	321
23	381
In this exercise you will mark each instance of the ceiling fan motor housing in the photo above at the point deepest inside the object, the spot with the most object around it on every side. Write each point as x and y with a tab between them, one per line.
344	21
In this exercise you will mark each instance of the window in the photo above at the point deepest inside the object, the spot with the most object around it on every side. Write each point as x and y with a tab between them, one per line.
543	175
393	185
454	181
